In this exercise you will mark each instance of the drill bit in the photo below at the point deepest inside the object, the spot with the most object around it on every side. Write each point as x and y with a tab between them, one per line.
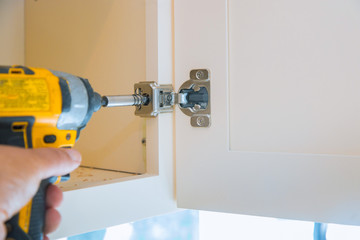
124	100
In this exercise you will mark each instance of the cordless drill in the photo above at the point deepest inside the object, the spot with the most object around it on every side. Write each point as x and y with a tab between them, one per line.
45	108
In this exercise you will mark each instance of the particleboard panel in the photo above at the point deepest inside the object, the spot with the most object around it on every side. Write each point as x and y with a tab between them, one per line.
84	177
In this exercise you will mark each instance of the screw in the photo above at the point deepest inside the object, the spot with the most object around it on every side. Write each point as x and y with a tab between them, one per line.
200	74
169	98
196	88
201	121
68	136
196	107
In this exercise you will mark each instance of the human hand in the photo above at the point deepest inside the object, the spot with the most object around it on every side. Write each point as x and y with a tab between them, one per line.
20	175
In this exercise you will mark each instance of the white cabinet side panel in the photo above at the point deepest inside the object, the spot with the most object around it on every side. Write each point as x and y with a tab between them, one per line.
146	195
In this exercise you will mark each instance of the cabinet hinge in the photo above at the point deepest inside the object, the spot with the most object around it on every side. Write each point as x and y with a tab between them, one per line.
151	99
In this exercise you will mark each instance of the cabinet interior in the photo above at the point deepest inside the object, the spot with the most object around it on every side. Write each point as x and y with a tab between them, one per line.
105	42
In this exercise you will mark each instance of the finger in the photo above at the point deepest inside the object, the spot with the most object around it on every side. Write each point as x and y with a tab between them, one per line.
2	231
56	162
52	220
3	218
54	196
46	238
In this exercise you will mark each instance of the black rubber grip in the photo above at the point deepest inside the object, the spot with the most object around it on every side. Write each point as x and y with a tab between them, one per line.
20	135
5	69
37	217
14	135
38	209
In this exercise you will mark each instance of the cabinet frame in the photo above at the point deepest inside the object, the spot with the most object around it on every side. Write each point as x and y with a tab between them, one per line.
137	197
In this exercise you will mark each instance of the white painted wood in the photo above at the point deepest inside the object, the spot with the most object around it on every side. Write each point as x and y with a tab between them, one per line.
294	77
149	194
284	140
12	41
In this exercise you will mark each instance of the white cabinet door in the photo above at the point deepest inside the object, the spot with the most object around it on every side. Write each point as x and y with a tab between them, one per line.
285	102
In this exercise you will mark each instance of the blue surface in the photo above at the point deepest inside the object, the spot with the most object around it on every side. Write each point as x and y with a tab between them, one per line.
320	231
96	235
181	225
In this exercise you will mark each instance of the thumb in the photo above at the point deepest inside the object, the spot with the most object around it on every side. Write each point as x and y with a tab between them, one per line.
56	161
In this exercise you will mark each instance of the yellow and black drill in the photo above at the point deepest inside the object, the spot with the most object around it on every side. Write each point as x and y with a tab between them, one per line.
45	108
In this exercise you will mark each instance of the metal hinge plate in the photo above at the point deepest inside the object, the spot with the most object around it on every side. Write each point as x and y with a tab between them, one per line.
193	98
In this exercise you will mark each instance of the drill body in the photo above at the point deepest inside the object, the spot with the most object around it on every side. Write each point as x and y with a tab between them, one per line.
41	108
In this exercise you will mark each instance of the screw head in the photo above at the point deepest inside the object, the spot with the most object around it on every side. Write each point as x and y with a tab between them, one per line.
200	74
196	107
200	121
196	88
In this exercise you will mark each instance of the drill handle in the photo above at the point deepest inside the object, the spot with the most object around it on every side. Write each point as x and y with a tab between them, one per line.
29	222
31	218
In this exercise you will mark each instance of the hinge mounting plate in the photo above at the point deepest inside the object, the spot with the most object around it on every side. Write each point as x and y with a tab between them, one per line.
198	98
